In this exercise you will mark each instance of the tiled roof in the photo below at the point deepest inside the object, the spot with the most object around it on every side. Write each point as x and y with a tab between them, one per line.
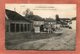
14	16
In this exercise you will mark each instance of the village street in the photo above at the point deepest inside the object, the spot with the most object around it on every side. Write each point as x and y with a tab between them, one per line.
66	41
40	26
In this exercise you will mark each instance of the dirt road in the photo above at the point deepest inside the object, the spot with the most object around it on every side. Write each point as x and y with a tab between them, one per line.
66	41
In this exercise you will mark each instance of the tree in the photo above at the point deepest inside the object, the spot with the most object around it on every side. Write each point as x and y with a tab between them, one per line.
57	19
28	12
29	15
35	17
50	19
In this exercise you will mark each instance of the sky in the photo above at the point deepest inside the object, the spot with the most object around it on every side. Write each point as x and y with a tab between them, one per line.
45	10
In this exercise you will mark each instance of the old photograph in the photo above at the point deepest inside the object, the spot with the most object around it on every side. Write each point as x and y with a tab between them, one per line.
40	26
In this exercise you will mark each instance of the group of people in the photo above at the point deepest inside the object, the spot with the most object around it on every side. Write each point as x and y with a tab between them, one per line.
49	28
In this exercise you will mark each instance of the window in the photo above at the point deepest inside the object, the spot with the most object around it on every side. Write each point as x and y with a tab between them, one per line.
21	27
17	27
12	27
28	27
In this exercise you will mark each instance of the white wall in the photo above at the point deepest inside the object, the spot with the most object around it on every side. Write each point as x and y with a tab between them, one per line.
37	29
73	25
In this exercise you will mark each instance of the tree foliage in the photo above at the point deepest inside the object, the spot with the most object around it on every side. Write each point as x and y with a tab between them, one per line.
29	15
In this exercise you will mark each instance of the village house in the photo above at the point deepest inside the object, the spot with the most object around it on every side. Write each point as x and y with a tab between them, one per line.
36	20
64	22
37	25
49	24
73	25
17	23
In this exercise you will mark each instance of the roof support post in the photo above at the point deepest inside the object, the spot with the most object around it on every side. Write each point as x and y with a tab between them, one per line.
15	27
23	28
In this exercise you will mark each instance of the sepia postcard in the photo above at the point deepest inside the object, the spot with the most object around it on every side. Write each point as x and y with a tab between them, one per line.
40	27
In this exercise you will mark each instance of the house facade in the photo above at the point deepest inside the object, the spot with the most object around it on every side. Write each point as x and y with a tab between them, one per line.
37	25
73	25
17	23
